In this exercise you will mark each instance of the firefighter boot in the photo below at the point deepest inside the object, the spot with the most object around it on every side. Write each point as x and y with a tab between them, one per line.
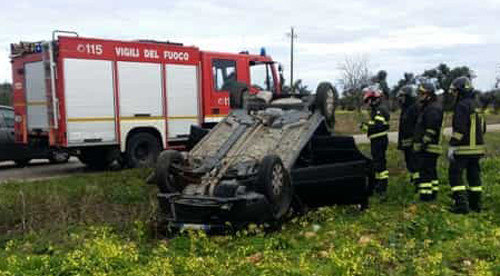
381	189
461	205
475	201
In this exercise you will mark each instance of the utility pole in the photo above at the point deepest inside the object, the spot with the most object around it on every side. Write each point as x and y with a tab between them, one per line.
292	37
497	83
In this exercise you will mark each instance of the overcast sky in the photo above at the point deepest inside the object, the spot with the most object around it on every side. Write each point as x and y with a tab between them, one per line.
396	36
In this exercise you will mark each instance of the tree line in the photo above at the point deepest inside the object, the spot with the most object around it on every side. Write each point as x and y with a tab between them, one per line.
355	76
5	94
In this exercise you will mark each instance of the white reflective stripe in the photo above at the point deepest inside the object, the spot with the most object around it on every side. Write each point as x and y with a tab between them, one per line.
458	188
476	189
425	185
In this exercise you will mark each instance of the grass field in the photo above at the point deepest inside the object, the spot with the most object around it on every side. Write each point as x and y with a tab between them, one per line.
347	122
103	224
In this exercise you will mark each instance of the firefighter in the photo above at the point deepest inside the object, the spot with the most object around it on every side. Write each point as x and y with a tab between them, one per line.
409	113
377	128
427	141
466	148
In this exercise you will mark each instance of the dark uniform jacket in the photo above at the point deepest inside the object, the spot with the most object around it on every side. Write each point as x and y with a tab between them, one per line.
379	122
407	121
468	128
427	136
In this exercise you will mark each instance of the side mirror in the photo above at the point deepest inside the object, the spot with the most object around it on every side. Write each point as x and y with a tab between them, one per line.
282	78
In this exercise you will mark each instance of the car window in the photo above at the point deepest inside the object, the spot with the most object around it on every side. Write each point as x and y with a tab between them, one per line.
8	117
224	73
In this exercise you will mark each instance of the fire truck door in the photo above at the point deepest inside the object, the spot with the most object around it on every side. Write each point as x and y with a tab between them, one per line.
36	96
90	107
182	98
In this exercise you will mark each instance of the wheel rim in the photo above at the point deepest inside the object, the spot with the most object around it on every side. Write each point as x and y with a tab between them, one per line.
277	181
60	155
330	103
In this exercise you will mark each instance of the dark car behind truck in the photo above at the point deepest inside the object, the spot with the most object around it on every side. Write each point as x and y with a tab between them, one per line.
22	154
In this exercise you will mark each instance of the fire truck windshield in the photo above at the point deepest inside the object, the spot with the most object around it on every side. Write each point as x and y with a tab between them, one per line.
261	76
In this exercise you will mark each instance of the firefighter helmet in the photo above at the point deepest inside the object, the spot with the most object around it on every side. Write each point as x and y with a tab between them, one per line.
461	85
427	87
407	91
371	93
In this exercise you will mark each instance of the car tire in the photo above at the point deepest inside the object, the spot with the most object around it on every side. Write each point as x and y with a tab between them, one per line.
21	163
143	150
274	181
237	94
58	156
168	182
325	102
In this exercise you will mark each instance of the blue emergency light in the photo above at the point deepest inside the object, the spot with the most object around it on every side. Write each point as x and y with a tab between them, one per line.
38	48
263	51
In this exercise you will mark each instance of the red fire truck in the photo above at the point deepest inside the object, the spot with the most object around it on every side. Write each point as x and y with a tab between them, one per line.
106	100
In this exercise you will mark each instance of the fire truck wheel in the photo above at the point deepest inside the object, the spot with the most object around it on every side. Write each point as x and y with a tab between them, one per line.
58	156
325	101
166	179
237	94
143	150
273	180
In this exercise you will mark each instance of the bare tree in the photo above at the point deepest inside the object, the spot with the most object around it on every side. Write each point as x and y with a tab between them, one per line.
356	75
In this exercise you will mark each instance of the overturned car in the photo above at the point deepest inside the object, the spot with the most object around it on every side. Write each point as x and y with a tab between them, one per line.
270	155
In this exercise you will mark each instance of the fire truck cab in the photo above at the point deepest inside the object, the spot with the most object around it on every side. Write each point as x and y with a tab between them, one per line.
105	100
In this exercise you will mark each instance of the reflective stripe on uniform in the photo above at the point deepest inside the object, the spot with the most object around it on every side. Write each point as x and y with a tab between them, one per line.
425	185
457	135
415	175
417	146
376	135
380	118
435	185
382	175
469	150
431	131
473	130
476	188
458	188
425	192
432	148
407	142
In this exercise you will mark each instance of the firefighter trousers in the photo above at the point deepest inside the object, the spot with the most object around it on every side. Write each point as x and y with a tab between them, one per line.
378	149
458	187
427	182
411	163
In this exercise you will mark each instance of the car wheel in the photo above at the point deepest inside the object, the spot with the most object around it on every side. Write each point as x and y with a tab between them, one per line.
58	156
325	101
273	180
166	179
21	163
143	150
237	94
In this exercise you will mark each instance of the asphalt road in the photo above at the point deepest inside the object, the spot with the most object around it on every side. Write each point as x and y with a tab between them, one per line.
39	169
42	169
